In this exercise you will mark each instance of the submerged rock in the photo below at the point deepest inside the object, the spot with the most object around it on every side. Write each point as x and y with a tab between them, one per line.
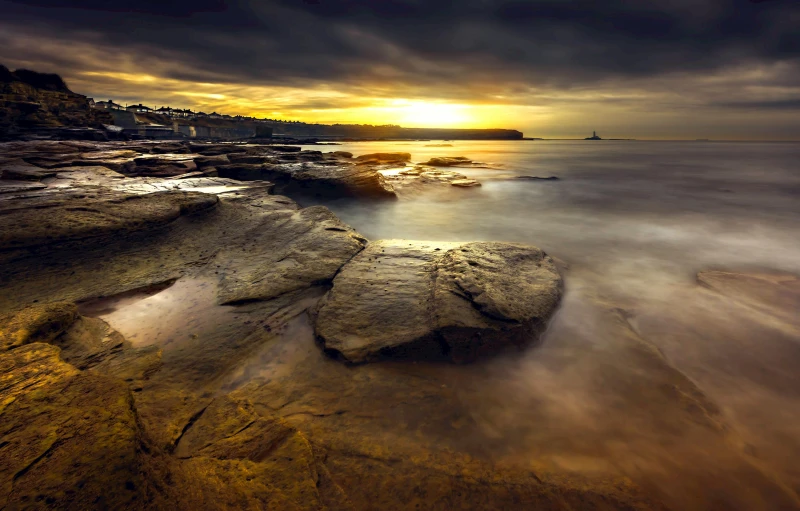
431	300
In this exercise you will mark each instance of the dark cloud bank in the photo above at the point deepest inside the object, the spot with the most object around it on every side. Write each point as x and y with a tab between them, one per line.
454	49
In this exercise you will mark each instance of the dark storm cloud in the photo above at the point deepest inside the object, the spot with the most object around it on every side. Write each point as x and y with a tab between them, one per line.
461	44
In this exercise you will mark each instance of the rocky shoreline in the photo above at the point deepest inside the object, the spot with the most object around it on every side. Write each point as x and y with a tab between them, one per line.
94	420
264	355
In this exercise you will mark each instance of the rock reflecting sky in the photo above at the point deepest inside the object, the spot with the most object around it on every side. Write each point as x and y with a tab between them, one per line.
669	69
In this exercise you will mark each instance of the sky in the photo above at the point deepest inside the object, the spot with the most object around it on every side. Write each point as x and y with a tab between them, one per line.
672	69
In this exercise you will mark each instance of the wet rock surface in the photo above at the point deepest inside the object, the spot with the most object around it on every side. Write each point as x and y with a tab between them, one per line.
429	300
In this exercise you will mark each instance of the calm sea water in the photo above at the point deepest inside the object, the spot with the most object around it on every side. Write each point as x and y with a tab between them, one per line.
632	223
676	205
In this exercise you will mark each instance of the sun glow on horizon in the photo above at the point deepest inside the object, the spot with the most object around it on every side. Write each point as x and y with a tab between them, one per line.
428	114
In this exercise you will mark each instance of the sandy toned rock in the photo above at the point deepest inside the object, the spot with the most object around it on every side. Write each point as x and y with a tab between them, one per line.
70	439
432	300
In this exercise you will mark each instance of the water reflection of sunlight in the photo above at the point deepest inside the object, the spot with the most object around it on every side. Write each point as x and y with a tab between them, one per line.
180	312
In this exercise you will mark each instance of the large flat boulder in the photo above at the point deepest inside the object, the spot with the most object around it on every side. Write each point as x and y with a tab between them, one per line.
431	300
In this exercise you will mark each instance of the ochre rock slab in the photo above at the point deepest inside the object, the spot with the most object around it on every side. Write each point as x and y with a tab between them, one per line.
418	299
70	439
37	323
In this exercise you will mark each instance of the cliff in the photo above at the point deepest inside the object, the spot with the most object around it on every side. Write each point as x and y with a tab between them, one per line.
32	100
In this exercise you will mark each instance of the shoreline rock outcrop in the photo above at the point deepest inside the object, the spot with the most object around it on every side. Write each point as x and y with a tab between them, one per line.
437	300
188	373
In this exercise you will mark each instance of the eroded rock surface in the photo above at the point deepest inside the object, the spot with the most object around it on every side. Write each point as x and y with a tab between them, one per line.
426	299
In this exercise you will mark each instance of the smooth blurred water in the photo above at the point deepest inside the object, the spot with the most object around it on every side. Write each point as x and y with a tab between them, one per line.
631	224
675	205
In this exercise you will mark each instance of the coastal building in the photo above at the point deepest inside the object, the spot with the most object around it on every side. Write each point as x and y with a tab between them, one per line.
139	109
108	105
164	110
593	137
